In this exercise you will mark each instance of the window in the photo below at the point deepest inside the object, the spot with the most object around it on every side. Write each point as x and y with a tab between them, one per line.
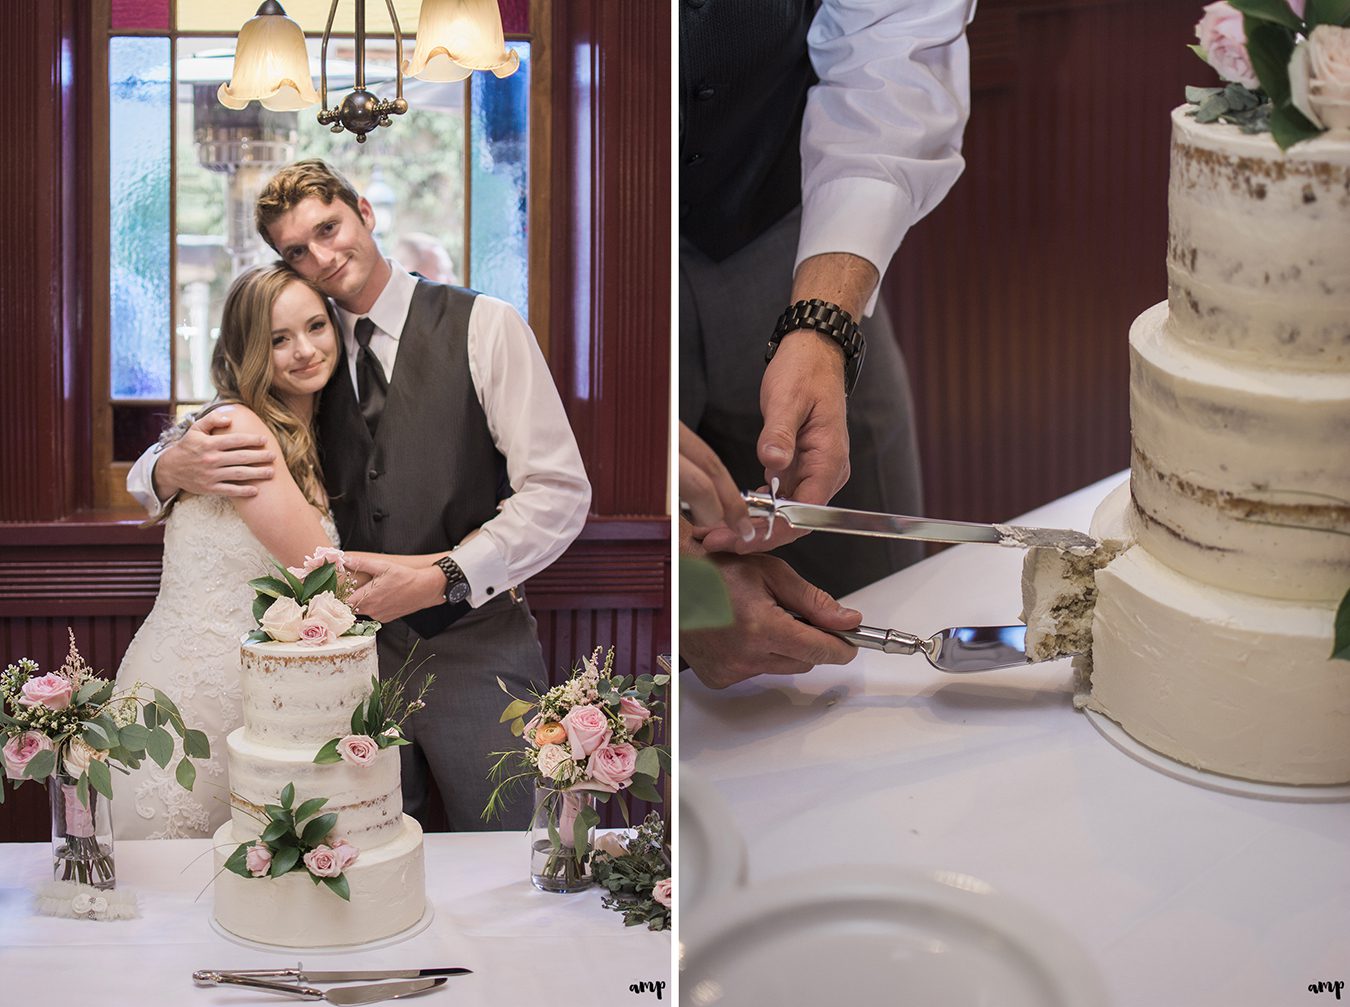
450	183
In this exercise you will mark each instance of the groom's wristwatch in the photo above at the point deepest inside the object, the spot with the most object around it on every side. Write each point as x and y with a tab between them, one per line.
831	320
456	586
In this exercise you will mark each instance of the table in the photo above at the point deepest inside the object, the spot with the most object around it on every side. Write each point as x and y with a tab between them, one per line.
525	946
1181	895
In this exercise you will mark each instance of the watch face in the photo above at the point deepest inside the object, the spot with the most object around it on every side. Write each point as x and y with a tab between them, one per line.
457	592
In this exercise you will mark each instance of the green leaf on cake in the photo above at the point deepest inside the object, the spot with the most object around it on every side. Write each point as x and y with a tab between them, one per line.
236	862
318	828
271	587
359	718
197	744
287	796
40	766
318	581
1334	12
1340	650
1275	12
274	831
283	860
310	807
261	604
1269	47
160	747
326	756
100	778
186	774
1289	126
338	886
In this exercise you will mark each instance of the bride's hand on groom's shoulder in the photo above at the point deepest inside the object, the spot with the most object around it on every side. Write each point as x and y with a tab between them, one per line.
394	590
211	459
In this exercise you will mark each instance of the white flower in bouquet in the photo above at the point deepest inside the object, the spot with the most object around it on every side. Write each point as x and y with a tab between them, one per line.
79	753
1319	77
553	761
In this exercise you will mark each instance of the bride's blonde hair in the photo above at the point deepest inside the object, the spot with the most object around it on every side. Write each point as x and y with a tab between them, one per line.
241	370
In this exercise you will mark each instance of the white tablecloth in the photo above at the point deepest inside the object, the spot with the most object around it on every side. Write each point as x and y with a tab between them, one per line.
1180	895
525	946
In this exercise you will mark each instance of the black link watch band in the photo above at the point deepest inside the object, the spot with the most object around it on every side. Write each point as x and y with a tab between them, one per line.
830	320
456	586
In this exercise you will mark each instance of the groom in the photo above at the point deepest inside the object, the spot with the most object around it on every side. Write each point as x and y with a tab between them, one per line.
440	432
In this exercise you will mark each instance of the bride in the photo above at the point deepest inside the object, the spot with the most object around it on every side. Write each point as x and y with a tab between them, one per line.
278	345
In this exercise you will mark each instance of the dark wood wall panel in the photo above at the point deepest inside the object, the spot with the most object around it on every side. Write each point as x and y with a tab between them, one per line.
1013	300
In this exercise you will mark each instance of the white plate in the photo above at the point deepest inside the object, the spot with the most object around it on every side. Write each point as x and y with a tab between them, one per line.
1137	750
879	936
711	852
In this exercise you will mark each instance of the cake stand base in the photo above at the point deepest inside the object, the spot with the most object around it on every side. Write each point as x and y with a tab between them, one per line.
1310	794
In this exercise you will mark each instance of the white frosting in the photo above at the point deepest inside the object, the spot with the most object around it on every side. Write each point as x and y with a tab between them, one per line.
300	696
1227	682
388	895
1259	245
367	799
1226	453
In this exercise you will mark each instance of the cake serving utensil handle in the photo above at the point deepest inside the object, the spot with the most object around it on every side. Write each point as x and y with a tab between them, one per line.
209	977
956	650
345	995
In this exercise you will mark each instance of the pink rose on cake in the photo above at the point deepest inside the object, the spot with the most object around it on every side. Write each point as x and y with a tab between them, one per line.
358	749
314	632
335	614
1223	41
613	765
282	620
325	554
323	862
50	690
633	714
587	729
258	860
346	854
1319	77
20	749
661	892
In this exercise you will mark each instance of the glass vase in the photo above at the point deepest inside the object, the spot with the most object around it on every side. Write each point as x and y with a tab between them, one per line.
557	863
82	839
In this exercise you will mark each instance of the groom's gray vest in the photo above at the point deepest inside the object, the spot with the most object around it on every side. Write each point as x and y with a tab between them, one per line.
431	473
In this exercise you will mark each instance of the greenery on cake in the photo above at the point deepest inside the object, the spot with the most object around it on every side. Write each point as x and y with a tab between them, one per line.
1341	648
1286	64
294	839
377	721
307	604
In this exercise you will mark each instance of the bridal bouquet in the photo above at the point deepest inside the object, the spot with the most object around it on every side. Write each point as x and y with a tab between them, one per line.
307	604
590	738
636	875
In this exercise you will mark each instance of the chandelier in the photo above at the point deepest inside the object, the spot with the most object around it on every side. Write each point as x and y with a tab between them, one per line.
271	63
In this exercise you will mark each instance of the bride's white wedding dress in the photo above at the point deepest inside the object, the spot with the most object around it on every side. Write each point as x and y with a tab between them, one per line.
188	648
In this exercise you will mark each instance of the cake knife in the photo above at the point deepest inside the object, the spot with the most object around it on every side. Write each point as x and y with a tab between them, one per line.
346	996
303	975
819	517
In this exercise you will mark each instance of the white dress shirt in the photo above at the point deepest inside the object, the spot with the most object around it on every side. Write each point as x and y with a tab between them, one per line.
881	134
525	417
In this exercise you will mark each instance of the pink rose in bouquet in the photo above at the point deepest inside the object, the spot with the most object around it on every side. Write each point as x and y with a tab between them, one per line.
1224	41
50	690
358	749
258	860
346	854
323	862
587	729
282	620
661	892
633	714
20	749
613	765
314	632
333	613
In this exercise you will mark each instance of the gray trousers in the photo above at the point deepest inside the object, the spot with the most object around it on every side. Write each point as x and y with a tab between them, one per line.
727	313
453	738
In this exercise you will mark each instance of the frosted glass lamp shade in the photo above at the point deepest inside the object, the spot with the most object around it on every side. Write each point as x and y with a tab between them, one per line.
456	37
271	65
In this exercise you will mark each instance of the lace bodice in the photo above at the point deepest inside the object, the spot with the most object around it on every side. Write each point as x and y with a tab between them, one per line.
188	647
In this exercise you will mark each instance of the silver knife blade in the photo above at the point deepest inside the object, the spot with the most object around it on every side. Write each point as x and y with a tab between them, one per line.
341	977
818	517
349	995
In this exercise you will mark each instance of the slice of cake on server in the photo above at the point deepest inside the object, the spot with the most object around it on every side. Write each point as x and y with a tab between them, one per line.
1205	626
318	851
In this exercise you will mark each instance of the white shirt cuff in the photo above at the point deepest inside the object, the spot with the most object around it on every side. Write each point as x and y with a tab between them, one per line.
484	569
866	217
141	482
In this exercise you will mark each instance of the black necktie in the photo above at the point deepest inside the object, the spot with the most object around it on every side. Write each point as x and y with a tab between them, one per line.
371	385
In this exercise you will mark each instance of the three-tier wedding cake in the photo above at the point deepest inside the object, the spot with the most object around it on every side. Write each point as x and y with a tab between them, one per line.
1211	632
296	698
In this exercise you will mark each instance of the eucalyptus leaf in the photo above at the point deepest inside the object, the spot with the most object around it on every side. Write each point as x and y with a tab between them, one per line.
165	705
288	796
1340	650
644	790
704	602
338	886
648	763
82	789
40	766
517	708
160	747
518	726
661	679
197	744
135	737
103	694
328	754
317	829
1276	12
1195	95
310	807
283	860
150	714
86	691
100	778
93	735
186	774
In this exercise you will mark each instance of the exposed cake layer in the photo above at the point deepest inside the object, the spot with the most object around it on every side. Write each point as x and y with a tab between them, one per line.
300	696
388	895
1058	593
368	800
1240	473
1226	682
1258	251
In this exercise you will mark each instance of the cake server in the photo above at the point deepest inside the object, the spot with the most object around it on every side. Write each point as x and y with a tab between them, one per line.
820	517
345	996
958	649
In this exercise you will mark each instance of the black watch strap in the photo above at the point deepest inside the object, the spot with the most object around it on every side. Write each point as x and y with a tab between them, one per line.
828	319
456	584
